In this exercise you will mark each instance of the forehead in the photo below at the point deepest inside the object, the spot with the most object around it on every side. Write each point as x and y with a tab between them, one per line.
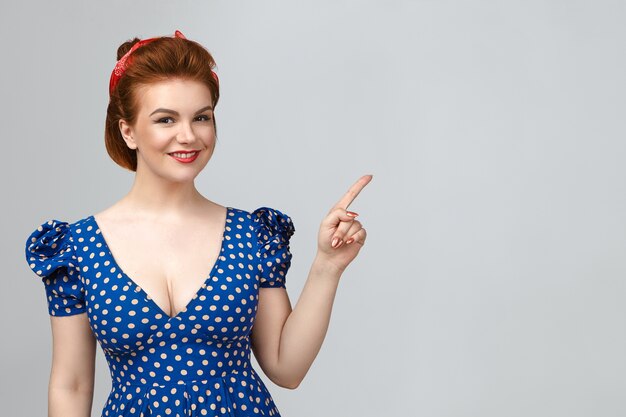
174	93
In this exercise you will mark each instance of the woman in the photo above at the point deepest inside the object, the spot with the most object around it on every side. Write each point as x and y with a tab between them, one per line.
177	336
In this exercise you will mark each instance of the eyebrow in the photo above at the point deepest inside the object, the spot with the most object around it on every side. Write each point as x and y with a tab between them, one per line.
175	113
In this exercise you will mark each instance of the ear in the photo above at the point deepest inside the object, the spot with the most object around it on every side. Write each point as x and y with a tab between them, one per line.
127	133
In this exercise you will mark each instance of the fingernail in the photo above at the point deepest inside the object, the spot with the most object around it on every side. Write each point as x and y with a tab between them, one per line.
349	241
352	214
335	240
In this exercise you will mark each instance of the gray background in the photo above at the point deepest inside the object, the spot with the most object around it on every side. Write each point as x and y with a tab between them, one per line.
492	282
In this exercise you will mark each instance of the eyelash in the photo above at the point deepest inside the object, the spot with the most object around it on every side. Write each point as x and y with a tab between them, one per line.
163	120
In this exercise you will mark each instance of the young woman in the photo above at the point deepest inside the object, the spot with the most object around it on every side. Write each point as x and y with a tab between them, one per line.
177	289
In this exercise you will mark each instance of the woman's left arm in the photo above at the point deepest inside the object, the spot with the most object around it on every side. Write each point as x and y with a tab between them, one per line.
285	341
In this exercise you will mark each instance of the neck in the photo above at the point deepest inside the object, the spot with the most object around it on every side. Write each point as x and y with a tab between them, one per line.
156	197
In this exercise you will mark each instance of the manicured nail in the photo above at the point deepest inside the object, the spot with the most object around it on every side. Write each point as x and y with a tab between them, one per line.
352	214
349	241
334	243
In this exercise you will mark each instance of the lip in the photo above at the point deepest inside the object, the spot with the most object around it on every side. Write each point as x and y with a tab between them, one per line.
185	160
185	151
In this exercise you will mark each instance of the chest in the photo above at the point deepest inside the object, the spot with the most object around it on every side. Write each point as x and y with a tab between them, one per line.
170	263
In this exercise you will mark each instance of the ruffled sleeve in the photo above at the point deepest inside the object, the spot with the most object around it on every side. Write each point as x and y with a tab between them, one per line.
50	254
273	230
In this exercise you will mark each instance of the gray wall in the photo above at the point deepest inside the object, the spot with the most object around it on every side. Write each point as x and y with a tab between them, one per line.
492	281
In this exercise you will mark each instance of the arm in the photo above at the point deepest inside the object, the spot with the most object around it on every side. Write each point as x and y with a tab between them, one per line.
70	390
49	251
285	341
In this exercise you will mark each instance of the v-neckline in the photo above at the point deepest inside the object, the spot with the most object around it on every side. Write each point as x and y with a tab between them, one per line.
140	288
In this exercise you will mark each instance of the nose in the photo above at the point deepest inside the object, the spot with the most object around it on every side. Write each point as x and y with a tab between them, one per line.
186	133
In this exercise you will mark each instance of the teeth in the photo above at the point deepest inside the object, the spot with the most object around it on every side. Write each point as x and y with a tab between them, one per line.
184	155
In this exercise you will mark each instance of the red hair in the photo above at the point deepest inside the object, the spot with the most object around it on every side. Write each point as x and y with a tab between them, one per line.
162	59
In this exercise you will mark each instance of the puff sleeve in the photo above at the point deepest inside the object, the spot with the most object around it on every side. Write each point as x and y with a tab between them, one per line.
50	254
273	230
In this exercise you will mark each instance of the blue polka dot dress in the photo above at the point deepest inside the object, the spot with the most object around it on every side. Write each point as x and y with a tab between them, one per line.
196	363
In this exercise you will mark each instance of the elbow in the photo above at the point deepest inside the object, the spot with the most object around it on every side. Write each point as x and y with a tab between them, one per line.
290	386
288	383
71	384
284	375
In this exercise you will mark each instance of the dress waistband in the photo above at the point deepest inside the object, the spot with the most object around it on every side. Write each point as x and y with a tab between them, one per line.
203	380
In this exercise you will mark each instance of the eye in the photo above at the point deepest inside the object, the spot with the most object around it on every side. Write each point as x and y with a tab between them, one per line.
204	117
165	120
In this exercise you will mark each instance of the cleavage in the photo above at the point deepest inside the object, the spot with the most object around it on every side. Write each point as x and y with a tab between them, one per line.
170	263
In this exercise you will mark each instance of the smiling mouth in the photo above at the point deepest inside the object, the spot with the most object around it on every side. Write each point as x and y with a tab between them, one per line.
184	155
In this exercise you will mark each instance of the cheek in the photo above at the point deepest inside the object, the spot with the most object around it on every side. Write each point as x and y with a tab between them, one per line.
208	136
157	138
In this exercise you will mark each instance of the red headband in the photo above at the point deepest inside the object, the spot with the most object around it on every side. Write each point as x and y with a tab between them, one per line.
122	64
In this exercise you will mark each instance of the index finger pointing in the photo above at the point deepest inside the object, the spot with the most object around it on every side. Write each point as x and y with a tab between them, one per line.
356	188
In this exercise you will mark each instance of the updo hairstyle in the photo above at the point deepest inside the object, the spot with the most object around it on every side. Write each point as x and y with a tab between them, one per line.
164	58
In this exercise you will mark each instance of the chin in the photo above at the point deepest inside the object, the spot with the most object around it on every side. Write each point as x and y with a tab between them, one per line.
187	175
182	180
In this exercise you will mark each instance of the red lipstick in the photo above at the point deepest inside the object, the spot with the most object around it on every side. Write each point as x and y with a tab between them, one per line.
185	160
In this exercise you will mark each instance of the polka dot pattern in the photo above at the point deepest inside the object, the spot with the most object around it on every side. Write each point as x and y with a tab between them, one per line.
196	363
